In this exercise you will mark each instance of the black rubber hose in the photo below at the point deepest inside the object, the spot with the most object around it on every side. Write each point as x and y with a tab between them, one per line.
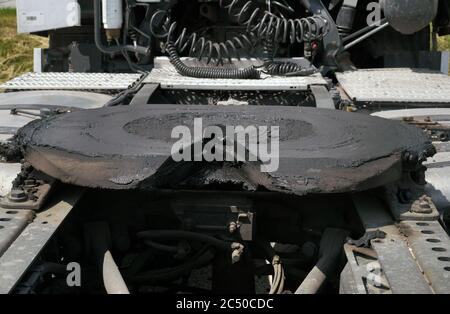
98	37
162	247
200	259
185	235
122	96
277	285
282	68
199	46
208	72
331	247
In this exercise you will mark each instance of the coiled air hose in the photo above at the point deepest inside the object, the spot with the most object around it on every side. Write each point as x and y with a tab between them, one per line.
261	25
266	24
199	46
282	68
208	72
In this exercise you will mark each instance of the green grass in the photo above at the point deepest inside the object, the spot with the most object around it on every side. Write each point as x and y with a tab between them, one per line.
444	43
16	51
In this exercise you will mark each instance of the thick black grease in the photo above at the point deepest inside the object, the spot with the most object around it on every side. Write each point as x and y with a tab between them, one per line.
321	151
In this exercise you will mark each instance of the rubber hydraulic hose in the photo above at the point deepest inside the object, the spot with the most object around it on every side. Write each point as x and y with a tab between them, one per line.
98	235
329	253
313	282
277	285
185	235
199	260
112	278
162	247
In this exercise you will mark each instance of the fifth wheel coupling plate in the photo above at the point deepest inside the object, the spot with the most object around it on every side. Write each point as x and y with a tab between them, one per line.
320	151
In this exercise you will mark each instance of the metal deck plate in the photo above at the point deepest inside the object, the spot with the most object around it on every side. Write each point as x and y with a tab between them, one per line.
12	222
27	246
52	99
168	78
396	85
430	244
72	81
399	266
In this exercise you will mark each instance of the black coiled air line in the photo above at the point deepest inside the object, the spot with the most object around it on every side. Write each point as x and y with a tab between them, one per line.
265	24
269	29
277	68
198	46
208	72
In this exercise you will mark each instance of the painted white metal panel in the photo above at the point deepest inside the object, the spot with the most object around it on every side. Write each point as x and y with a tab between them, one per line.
396	85
35	16
72	81
37	60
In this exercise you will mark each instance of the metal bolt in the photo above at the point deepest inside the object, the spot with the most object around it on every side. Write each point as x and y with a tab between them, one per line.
30	183
232	227
235	257
17	195
424	204
238	249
